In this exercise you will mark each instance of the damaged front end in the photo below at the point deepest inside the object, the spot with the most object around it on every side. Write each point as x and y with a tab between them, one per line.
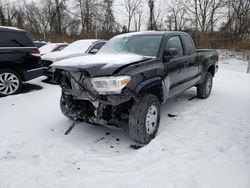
81	101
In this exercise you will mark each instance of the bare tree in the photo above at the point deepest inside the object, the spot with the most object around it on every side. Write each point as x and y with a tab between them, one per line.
204	13
138	19
240	19
109	23
237	24
215	14
59	10
93	14
7	13
34	19
47	18
131	7
2	14
177	15
152	21
159	18
40	18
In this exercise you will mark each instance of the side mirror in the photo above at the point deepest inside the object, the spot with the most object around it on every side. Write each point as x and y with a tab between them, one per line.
93	51
170	54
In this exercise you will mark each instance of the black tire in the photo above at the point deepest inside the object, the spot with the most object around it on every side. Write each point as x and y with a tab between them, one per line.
138	119
66	106
15	82
204	89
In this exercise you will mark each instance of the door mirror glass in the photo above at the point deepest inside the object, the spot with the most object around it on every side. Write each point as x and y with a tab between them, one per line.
93	51
173	52
170	54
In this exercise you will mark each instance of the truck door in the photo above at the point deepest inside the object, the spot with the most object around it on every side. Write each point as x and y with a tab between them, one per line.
174	64
191	64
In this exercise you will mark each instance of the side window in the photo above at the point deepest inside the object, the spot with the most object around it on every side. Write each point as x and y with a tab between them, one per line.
175	43
4	40
98	46
189	45
59	48
14	39
26	40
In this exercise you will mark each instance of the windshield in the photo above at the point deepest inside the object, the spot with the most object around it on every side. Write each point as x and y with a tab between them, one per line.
79	46
146	45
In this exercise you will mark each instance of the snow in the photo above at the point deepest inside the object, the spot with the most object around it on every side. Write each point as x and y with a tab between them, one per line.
109	59
206	146
49	47
79	46
75	49
234	60
59	55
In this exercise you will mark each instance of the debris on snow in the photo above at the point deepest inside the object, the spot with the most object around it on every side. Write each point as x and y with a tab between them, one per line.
135	146
172	115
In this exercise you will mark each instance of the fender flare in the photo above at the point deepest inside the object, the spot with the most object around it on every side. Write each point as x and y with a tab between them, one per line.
146	84
206	68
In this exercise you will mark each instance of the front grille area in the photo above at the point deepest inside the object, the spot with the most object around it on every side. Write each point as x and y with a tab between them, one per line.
76	80
76	83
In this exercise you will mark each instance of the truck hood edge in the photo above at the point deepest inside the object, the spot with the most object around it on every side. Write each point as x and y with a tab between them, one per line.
99	65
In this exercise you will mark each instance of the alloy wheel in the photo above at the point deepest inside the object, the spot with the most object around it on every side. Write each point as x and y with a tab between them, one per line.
9	83
209	85
151	119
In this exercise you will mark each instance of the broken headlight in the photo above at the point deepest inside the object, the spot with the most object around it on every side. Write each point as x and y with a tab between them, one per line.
113	84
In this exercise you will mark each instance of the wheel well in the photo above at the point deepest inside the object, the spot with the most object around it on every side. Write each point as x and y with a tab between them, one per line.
155	89
12	67
211	69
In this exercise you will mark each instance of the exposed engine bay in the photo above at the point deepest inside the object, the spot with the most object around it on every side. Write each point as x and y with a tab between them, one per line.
81	102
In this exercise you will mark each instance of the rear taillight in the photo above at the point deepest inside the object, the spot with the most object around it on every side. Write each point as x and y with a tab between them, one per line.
35	53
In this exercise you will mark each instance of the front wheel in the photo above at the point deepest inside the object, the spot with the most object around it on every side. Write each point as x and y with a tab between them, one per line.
67	105
10	82
144	118
204	89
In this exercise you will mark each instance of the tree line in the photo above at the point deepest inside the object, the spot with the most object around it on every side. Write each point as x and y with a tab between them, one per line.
48	19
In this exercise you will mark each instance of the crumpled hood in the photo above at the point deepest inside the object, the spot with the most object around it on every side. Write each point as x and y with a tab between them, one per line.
100	64
60	55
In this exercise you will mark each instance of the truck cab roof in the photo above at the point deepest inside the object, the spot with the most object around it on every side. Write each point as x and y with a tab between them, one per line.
11	29
153	33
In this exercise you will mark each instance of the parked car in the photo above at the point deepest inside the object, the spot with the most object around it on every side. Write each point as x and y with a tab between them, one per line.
131	76
39	44
75	49
19	60
52	47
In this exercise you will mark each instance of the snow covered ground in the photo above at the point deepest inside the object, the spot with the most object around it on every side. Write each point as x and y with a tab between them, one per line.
207	145
234	60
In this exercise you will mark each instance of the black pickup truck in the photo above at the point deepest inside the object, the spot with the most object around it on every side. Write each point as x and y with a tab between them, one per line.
131	76
19	60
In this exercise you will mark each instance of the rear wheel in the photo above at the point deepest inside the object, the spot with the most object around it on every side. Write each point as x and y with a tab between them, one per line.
144	119
204	89
10	82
